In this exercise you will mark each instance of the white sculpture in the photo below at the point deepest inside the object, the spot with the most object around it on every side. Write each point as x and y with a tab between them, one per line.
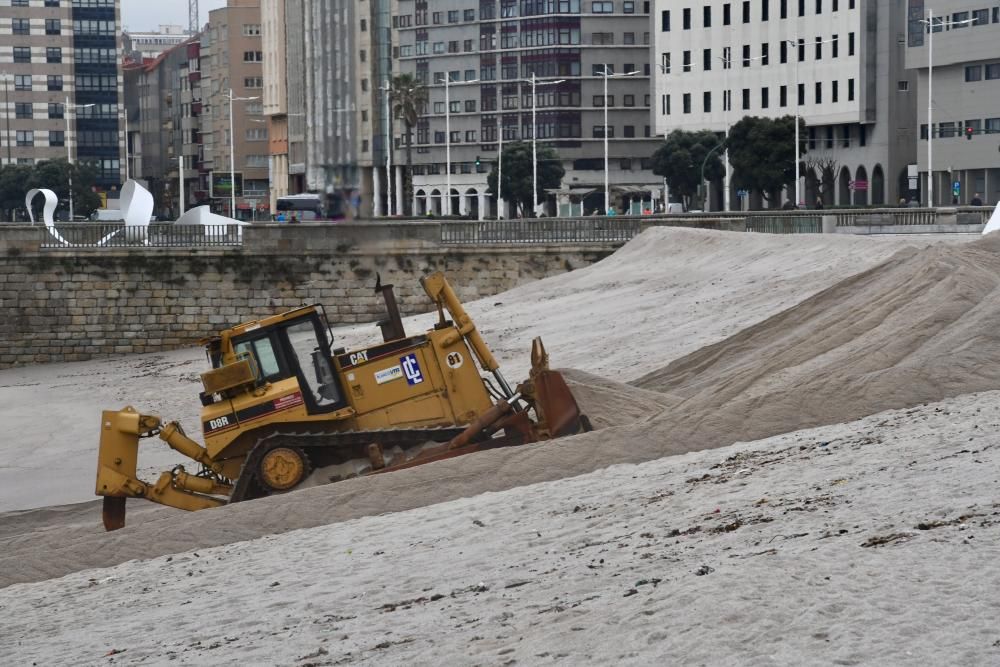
48	211
136	205
994	222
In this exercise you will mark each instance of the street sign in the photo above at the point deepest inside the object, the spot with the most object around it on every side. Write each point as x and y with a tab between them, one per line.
220	185
956	188
742	194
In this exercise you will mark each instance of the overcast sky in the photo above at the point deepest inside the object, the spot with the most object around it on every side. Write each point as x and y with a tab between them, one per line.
145	15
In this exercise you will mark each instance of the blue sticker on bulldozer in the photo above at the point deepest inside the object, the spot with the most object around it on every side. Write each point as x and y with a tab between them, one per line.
411	369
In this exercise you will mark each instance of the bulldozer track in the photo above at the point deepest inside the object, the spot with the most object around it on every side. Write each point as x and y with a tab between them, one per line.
318	443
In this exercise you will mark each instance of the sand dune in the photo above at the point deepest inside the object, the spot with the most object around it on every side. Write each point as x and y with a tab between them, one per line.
715	406
873	542
666	294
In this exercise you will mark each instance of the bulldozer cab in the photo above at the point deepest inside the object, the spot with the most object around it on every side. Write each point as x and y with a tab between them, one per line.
295	348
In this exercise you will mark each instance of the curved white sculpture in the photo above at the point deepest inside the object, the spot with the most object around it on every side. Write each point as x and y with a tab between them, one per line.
136	204
48	211
994	222
137	210
202	215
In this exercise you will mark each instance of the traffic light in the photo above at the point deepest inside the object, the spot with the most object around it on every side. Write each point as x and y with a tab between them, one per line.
477	162
969	132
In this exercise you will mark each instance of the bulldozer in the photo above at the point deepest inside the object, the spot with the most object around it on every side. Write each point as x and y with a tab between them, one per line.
281	405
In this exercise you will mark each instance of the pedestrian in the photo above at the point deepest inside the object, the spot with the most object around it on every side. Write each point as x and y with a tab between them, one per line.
294	219
819	203
281	217
902	202
976	201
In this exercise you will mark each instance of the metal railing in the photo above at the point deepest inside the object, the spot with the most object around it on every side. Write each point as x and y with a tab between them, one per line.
541	230
965	215
118	235
785	224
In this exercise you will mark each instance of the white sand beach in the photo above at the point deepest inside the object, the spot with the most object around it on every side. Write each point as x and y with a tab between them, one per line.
698	524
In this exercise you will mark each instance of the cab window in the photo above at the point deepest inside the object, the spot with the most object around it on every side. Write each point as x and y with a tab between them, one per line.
263	351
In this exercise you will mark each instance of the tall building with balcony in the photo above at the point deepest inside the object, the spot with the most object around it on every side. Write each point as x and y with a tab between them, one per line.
337	56
489	50
275	94
232	62
966	98
61	84
838	64
163	103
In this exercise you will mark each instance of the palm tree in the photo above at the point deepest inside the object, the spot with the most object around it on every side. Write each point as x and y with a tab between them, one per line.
409	98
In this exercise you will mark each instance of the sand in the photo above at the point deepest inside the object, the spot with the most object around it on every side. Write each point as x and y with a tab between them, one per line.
666	294
686	341
873	542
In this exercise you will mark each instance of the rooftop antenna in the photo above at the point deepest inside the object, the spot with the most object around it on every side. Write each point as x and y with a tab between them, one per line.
193	17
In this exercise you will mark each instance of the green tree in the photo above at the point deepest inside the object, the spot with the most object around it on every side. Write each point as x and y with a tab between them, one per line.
55	175
518	175
409	98
15	181
762	152
680	159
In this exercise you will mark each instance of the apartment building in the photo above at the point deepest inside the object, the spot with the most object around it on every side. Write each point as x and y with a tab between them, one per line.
232	63
965	112
326	67
275	95
838	64
141	45
489	50
161	102
61	84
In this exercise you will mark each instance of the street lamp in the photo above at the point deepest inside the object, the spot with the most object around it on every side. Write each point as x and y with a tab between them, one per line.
447	132
6	106
798	109
125	117
534	140
607	185
387	92
232	151
930	23
704	190
69	149
180	189
727	107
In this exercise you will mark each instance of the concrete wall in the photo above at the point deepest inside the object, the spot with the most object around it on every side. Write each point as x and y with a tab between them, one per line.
76	304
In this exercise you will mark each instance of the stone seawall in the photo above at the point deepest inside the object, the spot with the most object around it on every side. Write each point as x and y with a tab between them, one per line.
76	304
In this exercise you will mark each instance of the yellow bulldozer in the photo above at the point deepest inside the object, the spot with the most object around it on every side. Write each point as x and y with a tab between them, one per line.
281	404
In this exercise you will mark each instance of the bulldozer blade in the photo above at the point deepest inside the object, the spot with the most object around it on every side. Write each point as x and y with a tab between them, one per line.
114	513
558	407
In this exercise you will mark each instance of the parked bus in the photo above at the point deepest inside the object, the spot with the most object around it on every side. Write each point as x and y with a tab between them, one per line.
310	207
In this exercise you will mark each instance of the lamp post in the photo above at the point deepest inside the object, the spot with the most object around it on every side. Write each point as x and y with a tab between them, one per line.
929	22
798	111
607	184
500	164
6	106
69	149
727	107
232	152
534	139
387	92
447	132
704	190
125	117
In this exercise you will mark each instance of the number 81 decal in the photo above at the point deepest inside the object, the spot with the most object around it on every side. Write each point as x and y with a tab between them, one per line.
454	360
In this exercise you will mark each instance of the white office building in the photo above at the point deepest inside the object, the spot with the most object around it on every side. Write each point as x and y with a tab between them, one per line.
837	63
